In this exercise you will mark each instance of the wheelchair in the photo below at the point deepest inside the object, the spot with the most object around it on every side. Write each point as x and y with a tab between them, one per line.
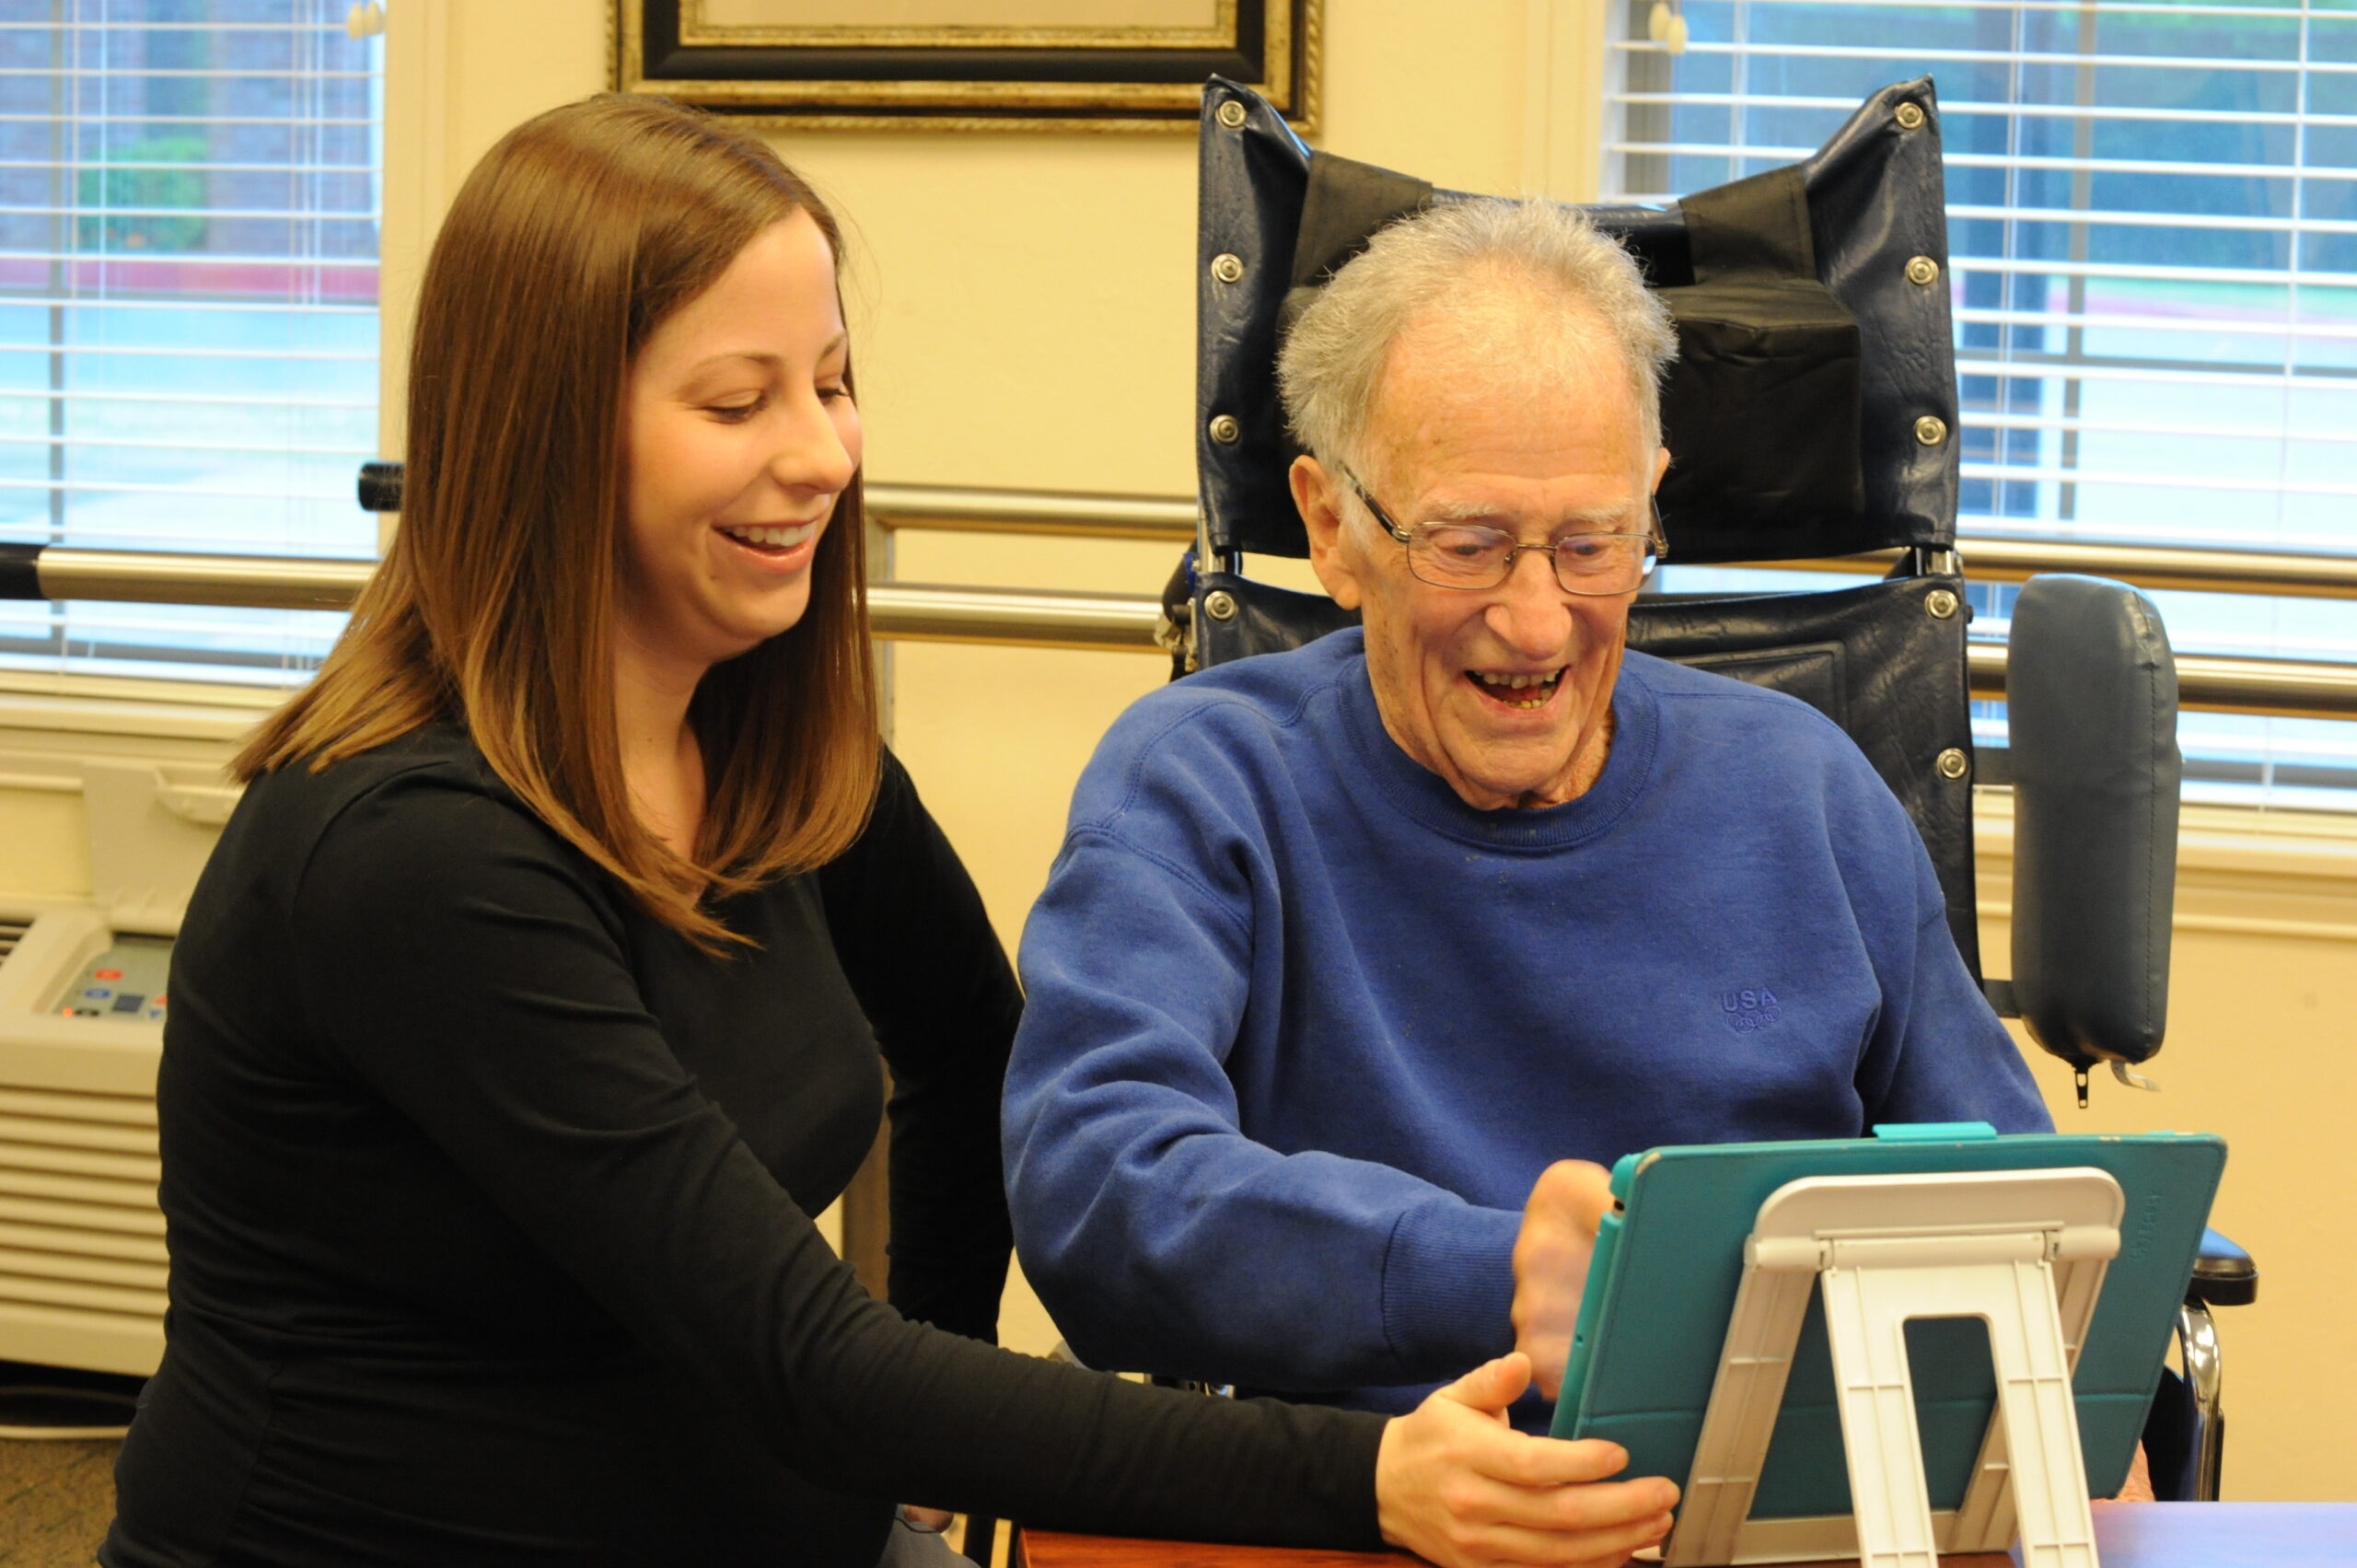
1813	411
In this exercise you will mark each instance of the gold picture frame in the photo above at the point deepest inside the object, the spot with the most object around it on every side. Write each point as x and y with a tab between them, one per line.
968	65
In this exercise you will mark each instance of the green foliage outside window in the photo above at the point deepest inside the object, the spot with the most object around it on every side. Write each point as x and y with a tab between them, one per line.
133	199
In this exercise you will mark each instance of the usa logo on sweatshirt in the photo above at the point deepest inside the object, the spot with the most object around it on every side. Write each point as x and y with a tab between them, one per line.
1749	1011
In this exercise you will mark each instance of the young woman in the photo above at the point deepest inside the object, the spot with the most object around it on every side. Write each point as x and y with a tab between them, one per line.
534	997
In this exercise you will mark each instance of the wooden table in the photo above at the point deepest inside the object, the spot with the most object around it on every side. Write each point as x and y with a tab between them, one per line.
2128	1535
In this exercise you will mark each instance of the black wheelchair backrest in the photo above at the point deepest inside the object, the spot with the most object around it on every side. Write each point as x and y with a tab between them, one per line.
1812	409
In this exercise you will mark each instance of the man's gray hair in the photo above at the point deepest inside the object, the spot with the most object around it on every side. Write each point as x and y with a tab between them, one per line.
1466	256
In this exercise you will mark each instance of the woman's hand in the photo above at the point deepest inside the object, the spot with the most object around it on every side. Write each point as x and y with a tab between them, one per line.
2138	1487
1551	1259
1455	1483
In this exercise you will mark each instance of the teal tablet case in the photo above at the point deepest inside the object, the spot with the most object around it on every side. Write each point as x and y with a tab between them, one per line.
1653	1318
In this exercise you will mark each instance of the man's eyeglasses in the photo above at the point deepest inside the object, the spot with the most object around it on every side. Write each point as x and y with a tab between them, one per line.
1475	556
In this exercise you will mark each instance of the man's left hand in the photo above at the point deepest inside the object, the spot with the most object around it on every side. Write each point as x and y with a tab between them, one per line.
1550	1259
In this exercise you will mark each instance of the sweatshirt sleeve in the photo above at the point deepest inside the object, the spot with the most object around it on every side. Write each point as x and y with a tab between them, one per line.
1937	1052
917	945
1160	1235
481	985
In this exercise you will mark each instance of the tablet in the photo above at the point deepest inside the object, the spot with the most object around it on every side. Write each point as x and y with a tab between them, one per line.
1653	1321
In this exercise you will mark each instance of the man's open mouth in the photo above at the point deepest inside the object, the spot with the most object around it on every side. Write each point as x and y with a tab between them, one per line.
1509	690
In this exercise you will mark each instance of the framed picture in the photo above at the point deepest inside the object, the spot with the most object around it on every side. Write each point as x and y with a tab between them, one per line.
968	65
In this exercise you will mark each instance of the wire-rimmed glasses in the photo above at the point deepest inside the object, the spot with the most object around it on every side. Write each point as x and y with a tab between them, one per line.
1476	556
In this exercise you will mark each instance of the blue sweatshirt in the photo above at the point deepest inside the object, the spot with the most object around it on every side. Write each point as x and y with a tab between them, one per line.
1303	1027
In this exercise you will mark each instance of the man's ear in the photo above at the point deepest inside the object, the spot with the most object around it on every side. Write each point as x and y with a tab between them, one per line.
1319	498
1661	466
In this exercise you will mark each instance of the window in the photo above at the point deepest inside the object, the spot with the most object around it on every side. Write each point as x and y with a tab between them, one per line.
189	199
2152	221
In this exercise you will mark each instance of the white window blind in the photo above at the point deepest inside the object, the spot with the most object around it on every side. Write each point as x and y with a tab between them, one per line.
2153	226
189	201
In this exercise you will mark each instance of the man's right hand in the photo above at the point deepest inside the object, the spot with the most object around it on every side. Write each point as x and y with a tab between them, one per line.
1550	1258
1457	1485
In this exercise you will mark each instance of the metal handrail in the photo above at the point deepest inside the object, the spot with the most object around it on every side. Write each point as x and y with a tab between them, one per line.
914	611
245	581
2280	688
1022	618
1073	514
1991	557
1031	618
2005	558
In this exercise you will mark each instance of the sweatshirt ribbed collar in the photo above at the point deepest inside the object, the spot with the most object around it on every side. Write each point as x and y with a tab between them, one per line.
1424	796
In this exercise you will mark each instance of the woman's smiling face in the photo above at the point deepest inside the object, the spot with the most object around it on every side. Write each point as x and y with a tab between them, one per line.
741	432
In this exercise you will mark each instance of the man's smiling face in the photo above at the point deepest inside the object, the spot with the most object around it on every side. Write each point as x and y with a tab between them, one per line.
1506	693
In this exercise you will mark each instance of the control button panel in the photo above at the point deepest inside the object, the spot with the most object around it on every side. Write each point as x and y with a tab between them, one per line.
128	981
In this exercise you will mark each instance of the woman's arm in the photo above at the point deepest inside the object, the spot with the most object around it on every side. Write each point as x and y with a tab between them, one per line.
470	969
913	939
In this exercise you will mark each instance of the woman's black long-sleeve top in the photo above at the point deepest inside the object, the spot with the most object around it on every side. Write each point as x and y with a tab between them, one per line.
487	1198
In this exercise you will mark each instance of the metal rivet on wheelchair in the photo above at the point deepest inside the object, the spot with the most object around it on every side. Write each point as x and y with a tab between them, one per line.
1953	763
1909	116
1225	430
1233	114
1940	603
1226	267
1220	605
1923	270
1931	430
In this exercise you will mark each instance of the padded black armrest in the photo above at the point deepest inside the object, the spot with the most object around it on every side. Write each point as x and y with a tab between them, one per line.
2091	698
2223	1274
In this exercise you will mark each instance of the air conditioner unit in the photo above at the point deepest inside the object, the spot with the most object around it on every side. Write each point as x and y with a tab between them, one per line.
83	996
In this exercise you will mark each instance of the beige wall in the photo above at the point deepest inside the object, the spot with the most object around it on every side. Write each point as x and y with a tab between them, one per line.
2262	1051
1024	318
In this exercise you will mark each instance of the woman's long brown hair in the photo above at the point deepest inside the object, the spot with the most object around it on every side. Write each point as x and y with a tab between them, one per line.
574	238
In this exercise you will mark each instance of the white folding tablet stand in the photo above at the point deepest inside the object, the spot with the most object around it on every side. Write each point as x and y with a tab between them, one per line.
2023	1251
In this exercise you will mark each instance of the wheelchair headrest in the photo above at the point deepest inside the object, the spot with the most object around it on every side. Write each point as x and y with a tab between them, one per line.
1813	407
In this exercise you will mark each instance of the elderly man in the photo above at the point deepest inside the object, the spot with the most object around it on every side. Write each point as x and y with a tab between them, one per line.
1348	948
